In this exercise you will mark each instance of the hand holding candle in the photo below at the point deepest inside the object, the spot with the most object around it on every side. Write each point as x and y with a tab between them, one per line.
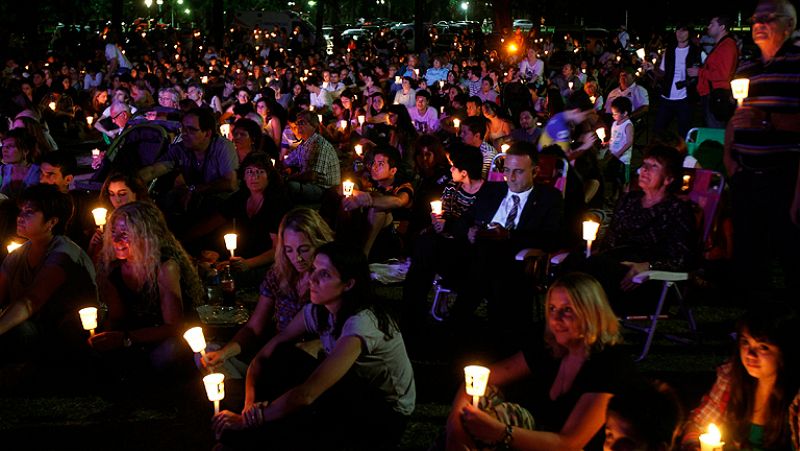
477	377
12	246
215	389
230	242
601	133
711	440
347	188
436	207
590	234
100	214
359	149
196	340
89	319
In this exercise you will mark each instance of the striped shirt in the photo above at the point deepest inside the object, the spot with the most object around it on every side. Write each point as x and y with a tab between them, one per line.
456	201
774	88
318	155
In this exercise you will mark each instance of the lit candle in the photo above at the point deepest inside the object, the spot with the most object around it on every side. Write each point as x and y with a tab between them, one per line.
397	80
361	119
196	340
436	207
311	108
504	148
215	389
477	377
230	242
89	319
592	99
52	105
456	123
590	234
343	124
273	161
711	440
740	88
570	84
441	84
601	133
319	117
359	149
204	79
416	72
224	129
640	53
686	180
100	214
347	188
89	120
12	246
441	109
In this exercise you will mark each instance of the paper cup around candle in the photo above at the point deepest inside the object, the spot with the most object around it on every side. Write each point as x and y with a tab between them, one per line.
89	120
601	133
88	319
436	207
196	339
230	242
397	80
225	129
640	53
456	123
359	149
711	440
476	377
215	389
590	234
12	246
361	119
52	105
100	214
740	88
343	125
570	85
504	148
347	188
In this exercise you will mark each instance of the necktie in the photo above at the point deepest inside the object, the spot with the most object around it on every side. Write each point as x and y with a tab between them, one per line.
512	212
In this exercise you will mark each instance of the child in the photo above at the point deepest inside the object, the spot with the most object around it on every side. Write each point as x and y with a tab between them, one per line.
621	142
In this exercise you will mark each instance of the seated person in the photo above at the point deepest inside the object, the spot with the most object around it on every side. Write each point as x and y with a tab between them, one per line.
313	166
446	241
205	162
18	170
751	399
59	169
150	286
527	131
650	229
284	290
571	376
44	283
389	195
509	217
359	396
255	211
473	130
113	125
645	419
118	189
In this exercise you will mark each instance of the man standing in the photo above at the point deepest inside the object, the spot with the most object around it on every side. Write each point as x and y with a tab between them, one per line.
762	154
314	164
675	100
719	68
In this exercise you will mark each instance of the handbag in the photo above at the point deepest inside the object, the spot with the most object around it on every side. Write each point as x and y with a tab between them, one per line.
721	104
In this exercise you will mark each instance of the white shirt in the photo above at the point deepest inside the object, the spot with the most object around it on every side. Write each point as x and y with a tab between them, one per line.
424	123
505	207
636	93
680	73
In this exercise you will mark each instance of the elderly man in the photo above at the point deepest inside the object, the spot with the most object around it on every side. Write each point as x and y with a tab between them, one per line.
119	113
762	155
206	164
314	166
628	88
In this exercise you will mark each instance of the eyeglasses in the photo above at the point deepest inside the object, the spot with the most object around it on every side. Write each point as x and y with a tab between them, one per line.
766	18
254	172
119	114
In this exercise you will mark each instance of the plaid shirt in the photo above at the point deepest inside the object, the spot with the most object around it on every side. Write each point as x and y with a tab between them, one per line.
318	155
712	406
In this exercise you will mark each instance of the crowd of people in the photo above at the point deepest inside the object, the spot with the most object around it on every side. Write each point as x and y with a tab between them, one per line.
458	161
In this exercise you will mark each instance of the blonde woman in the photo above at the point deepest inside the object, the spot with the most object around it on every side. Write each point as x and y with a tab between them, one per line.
571	378
285	289
149	284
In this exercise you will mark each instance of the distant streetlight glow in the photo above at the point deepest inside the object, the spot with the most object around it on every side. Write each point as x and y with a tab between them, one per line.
465	7
148	3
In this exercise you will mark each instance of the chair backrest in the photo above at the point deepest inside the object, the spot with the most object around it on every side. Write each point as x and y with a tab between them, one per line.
704	187
496	169
697	135
552	171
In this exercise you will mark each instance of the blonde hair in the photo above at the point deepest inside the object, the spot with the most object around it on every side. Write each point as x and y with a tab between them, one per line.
308	222
149	240
597	323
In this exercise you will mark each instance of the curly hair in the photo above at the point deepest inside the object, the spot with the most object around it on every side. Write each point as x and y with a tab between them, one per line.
308	222
149	240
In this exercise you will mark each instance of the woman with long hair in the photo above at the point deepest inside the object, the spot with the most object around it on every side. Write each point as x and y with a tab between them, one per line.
572	377
285	288
19	169
750	401
274	118
360	395
148	282
118	189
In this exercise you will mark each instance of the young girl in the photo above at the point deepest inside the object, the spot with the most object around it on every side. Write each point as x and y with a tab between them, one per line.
360	395
621	142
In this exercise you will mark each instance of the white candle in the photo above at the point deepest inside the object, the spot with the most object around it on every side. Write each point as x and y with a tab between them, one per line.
89	120
359	149
230	242
361	119
436	207
52	105
100	214
456	123
215	389
640	53
12	246
224	129
570	84
347	188
477	377
397	80
592	99
504	148
319	118
441	84
740	88
196	340
343	125
712	440
601	133
590	234
311	108
88	319
204	79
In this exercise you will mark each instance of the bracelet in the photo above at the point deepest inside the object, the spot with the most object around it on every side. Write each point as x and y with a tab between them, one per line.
508	436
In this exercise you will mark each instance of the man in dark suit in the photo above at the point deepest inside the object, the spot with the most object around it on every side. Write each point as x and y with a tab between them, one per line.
510	217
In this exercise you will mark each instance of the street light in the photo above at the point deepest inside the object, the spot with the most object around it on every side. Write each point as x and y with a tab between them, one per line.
465	7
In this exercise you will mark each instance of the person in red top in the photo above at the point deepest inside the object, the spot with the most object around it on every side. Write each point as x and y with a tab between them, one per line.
719	68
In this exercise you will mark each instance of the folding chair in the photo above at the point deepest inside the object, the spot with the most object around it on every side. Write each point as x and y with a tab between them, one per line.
697	136
704	189
496	169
